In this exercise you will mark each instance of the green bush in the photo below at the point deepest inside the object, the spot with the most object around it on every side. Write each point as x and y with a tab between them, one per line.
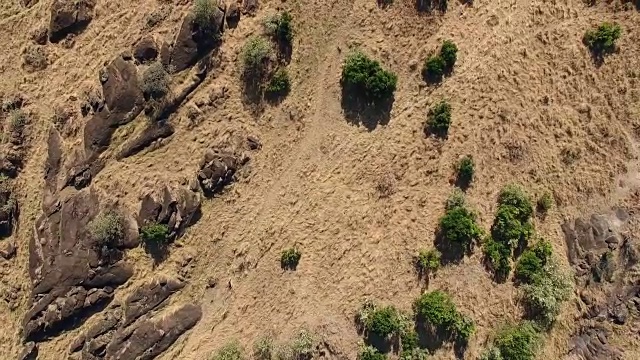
438	310
155	81
517	342
408	340
383	321
280	28
263	348
428	261
456	199
362	75
465	170
290	258
498	255
302	345
434	68
204	12
231	351
458	226
107	228
439	118
513	195
603	38
545	203
544	296
449	54
279	85
512	225
255	55
156	234
370	353
531	264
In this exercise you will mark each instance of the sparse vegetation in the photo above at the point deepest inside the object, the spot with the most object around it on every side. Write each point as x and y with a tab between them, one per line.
106	228
155	81
290	258
155	234
456	199
428	261
439	119
35	58
230	351
437	309
280	28
302	345
364	76
465	169
370	353
18	119
279	85
263	348
602	40
204	12
545	295
545	203
255	55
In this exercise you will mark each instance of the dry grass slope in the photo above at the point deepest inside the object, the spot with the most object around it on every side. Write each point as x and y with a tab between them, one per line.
528	103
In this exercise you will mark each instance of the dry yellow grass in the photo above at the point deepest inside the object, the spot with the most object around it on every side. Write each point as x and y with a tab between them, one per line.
528	104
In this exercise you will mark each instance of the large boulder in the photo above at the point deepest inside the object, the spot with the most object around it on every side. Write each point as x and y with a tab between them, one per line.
176	208
191	42
591	344
217	169
69	16
146	50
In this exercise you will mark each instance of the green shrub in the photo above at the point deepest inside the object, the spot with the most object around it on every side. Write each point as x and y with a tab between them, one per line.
362	75
439	118
529	267
492	353
512	225
438	310
465	170
383	321
428	261
255	54
370	353
544	296
603	38
458	226
290	258
498	255
415	354
408	340
279	85
517	342
434	68
204	12
449	54
456	199
155	81
263	348
280	28
107	228
513	195
231	351
545	203
156	234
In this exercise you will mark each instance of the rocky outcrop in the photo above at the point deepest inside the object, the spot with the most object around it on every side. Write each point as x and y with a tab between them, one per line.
603	249
232	14
71	277
192	42
150	135
176	208
135	329
216	171
69	16
30	352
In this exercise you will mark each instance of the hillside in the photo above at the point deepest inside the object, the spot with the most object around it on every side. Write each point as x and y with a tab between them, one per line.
233	178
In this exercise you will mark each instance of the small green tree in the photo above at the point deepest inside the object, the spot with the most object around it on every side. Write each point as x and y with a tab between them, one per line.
603	39
449	54
155	81
465	170
204	12
517	342
428	261
107	228
230	351
438	310
290	258
280	28
530	265
364	76
279	85
439	119
456	199
544	296
155	234
497	256
255	56
458	226
433	69
370	353
545	203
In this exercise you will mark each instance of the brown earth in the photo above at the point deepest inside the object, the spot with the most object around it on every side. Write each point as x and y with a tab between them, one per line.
528	103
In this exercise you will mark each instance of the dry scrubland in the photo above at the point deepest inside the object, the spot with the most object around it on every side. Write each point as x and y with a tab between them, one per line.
358	199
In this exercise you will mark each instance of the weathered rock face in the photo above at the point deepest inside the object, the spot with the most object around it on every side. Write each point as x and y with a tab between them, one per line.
216	171
603	248
146	50
131	331
71	278
30	352
191	43
177	208
69	16
232	14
